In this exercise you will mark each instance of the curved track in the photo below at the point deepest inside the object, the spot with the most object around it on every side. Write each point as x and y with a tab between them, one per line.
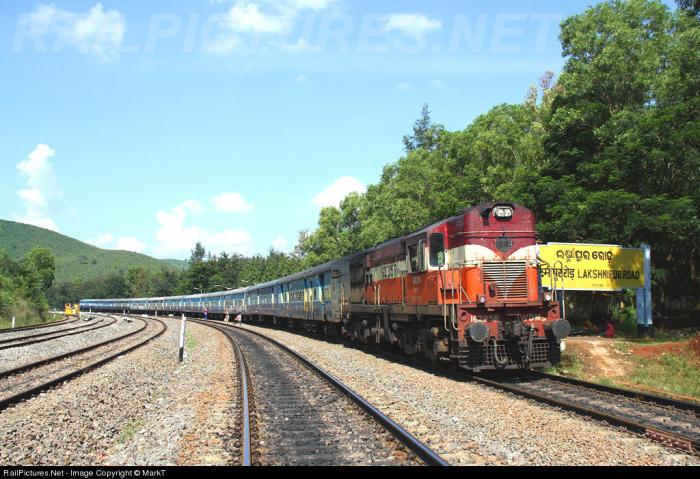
301	415
25	381
17	342
40	326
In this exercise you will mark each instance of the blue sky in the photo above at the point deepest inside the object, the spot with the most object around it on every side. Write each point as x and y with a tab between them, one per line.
149	125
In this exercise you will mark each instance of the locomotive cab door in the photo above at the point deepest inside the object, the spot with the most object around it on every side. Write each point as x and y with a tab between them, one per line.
415	259
415	254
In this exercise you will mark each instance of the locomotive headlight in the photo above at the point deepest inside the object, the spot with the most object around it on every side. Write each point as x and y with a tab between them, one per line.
548	297
482	299
503	212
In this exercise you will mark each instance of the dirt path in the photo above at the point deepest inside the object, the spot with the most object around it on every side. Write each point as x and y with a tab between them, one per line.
600	359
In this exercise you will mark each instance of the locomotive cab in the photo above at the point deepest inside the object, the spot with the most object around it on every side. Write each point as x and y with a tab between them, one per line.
503	318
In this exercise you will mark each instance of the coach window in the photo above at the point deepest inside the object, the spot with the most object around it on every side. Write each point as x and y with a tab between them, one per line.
437	250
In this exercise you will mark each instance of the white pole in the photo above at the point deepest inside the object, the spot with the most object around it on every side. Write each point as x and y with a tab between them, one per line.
182	338
13	322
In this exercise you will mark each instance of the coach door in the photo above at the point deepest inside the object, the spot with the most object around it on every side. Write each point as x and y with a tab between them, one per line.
337	293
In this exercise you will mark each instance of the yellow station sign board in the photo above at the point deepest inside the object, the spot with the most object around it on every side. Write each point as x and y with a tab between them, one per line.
591	267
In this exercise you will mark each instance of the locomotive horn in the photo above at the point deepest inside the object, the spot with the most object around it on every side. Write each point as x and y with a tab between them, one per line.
479	332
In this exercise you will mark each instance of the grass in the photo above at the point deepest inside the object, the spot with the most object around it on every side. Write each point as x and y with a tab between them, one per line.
25	315
676	374
571	365
190	341
129	430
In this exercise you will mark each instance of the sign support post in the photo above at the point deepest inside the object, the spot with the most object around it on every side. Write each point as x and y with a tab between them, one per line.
644	312
182	338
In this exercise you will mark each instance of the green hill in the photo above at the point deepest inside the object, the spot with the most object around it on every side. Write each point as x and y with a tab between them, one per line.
74	259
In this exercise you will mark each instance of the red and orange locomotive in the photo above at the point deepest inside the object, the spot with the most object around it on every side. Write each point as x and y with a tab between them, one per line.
465	289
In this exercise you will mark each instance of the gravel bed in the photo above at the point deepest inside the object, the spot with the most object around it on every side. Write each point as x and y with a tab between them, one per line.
144	408
470	424
48	329
19	356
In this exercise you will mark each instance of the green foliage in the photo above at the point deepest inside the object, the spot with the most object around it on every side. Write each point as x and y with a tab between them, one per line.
625	316
23	285
607	153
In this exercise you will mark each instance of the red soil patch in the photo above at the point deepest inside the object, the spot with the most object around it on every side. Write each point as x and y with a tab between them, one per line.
679	347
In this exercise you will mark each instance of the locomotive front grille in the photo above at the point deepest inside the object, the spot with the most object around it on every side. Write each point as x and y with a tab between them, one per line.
509	276
480	356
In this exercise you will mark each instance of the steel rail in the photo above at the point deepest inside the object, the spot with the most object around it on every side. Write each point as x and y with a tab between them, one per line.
423	452
39	326
676	440
5	403
630	393
26	341
90	347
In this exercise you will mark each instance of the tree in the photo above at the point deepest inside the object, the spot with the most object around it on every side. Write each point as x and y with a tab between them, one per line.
424	132
43	263
691	7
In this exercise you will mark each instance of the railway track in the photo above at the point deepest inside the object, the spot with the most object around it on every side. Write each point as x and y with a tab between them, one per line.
42	337
294	413
668	421
25	381
40	326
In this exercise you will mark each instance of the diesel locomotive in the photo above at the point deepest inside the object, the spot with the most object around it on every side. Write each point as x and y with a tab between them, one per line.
465	290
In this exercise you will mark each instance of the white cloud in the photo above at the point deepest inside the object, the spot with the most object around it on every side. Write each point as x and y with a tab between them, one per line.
98	32
32	196
275	18
231	203
127	243
176	240
412	24
280	243
300	78
102	240
437	83
42	186
335	193
246	16
403	86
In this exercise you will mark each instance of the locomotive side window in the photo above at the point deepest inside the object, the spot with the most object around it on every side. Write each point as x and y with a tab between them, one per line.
416	256
437	250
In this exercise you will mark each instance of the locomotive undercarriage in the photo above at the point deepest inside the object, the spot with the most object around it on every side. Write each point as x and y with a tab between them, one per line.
517	347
